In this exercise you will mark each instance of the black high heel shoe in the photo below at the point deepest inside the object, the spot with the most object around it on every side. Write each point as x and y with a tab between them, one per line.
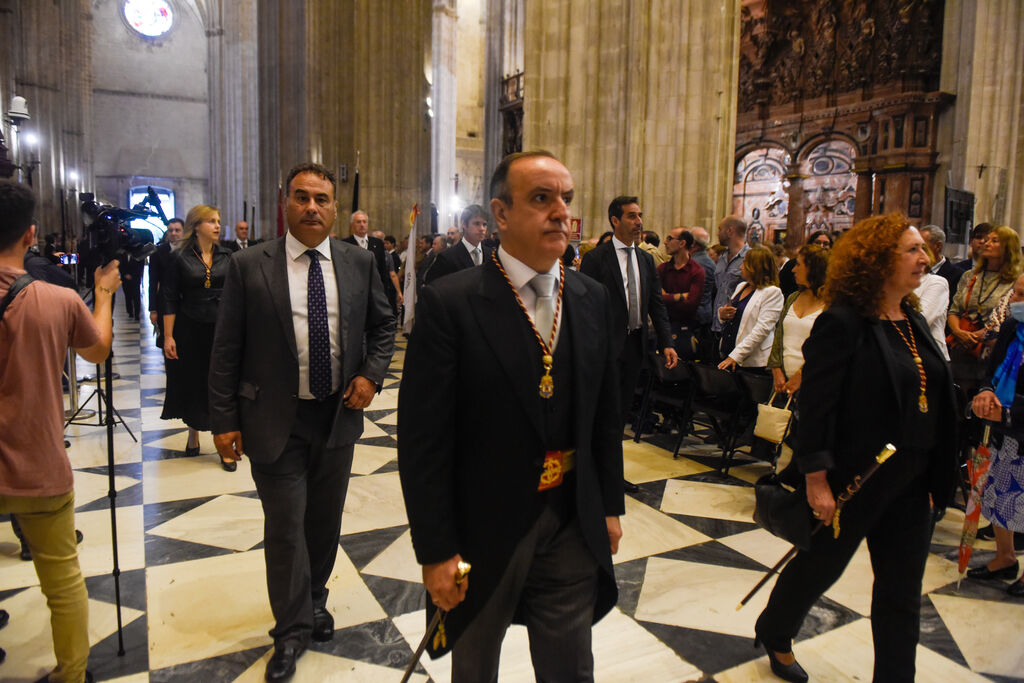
191	451
787	672
228	465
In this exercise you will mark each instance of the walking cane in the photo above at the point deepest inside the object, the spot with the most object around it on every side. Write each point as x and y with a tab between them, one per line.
460	576
844	497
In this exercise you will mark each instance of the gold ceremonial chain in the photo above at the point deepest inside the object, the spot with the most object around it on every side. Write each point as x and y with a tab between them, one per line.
922	400
200	257
547	383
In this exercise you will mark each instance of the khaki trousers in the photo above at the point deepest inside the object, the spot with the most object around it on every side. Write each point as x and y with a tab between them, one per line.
48	524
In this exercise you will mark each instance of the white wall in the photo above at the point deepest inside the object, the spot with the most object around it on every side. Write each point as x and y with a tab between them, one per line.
150	107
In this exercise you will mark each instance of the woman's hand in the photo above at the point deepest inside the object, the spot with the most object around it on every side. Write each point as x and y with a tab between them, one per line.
793	385
170	348
727	364
820	498
987	406
726	313
779	380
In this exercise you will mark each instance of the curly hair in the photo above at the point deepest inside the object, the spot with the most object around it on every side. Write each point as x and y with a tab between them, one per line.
1010	241
816	262
861	262
760	264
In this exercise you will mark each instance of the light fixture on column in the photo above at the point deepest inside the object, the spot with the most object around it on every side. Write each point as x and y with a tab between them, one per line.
18	113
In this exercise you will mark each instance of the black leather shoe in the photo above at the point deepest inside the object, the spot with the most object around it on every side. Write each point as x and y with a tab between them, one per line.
787	672
1016	589
323	625
282	665
229	465
629	486
983	573
986	533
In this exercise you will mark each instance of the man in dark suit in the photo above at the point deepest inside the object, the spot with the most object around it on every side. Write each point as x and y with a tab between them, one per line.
241	240
358	227
304	337
935	238
467	252
634	296
159	261
501	491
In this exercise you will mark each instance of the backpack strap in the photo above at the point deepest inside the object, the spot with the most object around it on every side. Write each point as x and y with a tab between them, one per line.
20	283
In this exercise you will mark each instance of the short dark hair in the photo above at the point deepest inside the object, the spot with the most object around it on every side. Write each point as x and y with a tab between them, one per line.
818	233
472	211
179	221
17	204
605	236
499	179
981	230
390	239
652	238
615	208
686	237
310	167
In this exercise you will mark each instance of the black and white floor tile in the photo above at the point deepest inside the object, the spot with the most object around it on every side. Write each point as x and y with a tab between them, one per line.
193	590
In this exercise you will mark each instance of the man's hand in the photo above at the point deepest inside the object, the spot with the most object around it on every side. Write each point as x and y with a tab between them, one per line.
986	406
152	319
229	445
359	393
399	299
727	364
614	533
819	497
671	357
170	348
439	580
107	279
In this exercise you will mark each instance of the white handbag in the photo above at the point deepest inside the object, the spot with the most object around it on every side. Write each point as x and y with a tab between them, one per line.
773	423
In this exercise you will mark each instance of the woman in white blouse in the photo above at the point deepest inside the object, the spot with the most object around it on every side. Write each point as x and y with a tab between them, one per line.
750	316
934	302
798	315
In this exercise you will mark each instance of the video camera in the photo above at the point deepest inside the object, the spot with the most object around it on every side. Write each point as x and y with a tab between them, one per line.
108	235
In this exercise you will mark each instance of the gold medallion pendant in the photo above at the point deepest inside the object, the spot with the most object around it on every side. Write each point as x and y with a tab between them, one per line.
547	382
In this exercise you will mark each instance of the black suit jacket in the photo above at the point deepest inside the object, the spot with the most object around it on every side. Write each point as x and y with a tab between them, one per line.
602	264
469	477
380	254
452	260
254	366
952	274
850	405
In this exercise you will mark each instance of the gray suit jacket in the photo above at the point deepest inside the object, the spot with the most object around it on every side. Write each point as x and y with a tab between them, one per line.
254	367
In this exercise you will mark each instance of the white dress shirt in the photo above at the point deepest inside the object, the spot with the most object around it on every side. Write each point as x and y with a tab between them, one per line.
520	274
298	277
363	241
621	255
469	247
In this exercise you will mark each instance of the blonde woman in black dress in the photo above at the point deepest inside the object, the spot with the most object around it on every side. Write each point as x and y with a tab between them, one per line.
191	294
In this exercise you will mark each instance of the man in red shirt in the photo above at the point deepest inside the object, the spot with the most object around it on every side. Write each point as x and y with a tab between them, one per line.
682	284
36	483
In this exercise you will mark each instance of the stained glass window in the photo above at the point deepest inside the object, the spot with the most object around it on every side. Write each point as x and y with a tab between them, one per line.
151	18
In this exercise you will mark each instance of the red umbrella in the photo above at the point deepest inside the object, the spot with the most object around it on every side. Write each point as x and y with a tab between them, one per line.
977	471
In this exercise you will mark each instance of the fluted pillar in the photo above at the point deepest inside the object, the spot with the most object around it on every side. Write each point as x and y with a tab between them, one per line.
636	97
231	31
443	103
983	63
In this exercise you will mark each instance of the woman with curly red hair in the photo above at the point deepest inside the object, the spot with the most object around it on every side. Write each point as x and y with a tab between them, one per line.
872	375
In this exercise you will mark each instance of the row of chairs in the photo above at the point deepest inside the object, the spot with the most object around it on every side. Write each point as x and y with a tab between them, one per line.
698	394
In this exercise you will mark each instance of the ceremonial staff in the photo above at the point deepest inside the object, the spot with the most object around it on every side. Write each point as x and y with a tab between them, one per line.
844	497
436	623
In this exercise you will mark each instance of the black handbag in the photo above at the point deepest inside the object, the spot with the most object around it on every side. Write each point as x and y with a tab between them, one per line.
783	512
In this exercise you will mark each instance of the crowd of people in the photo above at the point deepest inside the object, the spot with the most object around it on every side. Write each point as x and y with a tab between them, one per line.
277	347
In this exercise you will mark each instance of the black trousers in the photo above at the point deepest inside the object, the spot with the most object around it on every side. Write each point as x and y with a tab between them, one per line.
630	361
132	297
303	494
551	581
898	529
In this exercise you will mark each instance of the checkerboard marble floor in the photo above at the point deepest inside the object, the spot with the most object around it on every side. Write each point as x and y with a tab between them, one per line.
194	603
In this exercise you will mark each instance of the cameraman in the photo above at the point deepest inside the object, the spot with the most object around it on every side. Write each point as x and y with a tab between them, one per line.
36	484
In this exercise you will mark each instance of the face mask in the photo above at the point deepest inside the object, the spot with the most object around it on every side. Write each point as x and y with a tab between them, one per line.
1017	311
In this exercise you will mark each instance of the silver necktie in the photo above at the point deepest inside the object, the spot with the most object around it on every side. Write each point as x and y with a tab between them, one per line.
477	259
544	314
633	292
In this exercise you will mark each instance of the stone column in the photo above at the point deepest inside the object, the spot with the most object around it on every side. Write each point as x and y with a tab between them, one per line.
636	97
865	199
983	63
443	94
231	30
796	228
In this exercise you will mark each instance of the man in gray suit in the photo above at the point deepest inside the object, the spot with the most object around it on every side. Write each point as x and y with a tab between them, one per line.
304	337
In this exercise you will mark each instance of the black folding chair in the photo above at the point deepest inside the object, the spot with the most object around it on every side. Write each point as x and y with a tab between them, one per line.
667	392
720	399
